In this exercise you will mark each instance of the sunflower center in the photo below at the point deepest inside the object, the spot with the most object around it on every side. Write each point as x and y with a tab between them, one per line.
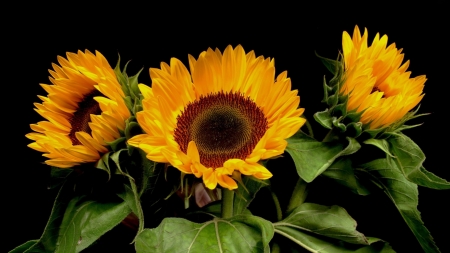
81	118
223	126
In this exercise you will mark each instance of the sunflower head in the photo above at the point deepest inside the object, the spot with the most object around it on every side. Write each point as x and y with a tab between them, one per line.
84	111
372	83
223	116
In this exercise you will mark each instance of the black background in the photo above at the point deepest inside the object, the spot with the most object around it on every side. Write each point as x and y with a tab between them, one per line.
147	35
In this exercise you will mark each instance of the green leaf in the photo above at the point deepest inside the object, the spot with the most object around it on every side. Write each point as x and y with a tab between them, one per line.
48	240
246	192
312	157
77	221
150	174
381	144
58	176
86	220
93	219
242	233
23	247
315	244
404	194
131	198
342	172
213	209
128	197
409	159
333	222
131	195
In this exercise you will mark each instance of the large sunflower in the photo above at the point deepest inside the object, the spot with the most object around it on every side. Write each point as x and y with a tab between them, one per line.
376	81
226	115
84	110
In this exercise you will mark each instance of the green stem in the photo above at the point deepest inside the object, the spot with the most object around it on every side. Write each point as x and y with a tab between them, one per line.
298	195
227	203
186	193
277	206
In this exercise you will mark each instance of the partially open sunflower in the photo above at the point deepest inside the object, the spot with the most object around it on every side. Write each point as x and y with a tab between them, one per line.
227	114
84	110
376	81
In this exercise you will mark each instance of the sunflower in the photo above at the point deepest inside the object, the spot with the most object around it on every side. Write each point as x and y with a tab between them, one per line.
84	110
376	81
225	115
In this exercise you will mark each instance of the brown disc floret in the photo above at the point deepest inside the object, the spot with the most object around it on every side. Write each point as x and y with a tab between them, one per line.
222	125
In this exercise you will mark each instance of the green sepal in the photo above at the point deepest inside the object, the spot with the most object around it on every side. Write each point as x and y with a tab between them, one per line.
373	133
409	159
403	194
337	115
103	164
133	84
132	128
400	125
115	157
312	157
334	66
341	108
324	118
117	144
395	127
354	129
241	233
337	123
326	90
130	88
121	77
129	103
354	117
333	100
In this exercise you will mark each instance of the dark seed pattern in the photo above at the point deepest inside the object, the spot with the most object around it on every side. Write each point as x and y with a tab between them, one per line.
81	117
223	126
